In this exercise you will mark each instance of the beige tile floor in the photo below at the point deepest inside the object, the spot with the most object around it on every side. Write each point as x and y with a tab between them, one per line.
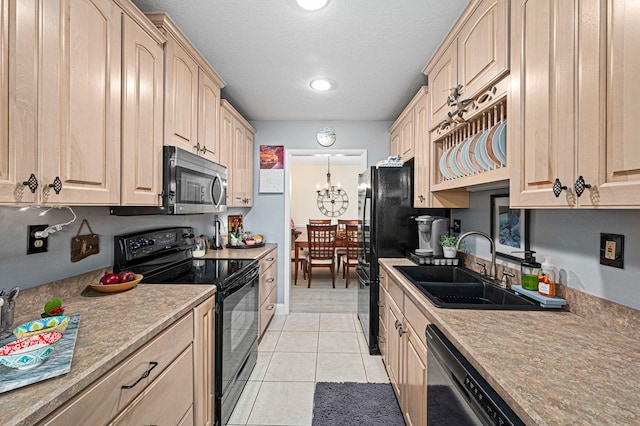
303	348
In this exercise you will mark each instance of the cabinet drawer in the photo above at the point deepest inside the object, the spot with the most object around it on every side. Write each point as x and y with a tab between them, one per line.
268	260
103	400
396	293
153	407
267	309
267	282
417	319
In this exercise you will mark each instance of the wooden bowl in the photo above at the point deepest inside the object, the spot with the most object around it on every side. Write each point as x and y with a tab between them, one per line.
115	288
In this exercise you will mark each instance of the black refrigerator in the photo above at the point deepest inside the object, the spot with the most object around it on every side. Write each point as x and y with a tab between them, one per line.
387	229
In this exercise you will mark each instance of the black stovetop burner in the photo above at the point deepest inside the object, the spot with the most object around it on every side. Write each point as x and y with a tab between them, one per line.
200	271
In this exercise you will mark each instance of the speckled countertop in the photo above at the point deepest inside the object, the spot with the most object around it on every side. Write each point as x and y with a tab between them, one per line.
552	368
252	253
112	327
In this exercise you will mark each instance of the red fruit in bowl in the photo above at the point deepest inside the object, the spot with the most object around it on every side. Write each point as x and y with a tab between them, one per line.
126	276
109	279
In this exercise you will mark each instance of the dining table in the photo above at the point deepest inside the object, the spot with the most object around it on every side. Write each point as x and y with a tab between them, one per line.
302	243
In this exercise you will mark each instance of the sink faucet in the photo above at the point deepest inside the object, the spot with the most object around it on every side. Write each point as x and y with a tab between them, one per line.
492	273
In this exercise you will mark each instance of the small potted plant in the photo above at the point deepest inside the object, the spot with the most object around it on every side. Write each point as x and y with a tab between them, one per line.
448	243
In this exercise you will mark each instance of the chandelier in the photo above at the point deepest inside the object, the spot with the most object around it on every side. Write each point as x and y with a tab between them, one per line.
332	200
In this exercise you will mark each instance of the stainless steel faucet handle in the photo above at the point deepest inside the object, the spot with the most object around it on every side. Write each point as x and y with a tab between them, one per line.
483	271
505	280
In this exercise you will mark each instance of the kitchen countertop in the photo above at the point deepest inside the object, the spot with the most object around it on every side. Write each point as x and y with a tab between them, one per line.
550	367
252	253
112	327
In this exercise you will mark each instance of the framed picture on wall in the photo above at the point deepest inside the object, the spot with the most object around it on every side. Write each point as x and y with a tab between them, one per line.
509	228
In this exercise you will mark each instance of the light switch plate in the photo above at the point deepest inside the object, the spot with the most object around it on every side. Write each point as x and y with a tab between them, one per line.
612	250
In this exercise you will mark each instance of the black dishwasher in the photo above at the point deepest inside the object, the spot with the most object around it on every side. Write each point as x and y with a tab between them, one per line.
456	393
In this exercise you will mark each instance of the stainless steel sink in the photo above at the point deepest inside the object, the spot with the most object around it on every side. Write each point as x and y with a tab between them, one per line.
460	288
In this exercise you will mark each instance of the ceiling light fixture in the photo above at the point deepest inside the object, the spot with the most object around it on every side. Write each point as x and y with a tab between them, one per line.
312	4
321	84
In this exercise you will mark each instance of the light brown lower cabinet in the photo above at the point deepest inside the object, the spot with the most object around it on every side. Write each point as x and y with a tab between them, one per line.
177	388
267	289
405	354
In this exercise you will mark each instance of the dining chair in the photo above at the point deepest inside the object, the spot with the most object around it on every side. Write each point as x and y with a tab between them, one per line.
342	228
322	247
351	258
319	221
303	254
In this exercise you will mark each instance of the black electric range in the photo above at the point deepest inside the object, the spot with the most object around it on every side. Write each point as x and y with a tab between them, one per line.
164	256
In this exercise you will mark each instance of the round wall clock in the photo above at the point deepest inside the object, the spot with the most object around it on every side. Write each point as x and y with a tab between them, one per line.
326	136
333	202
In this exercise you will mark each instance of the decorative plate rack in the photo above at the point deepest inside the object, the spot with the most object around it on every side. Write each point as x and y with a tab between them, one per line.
470	148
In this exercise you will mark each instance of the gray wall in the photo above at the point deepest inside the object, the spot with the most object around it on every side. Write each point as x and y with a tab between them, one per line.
572	239
16	268
268	209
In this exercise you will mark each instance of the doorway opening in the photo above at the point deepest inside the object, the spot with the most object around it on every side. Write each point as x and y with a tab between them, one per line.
305	175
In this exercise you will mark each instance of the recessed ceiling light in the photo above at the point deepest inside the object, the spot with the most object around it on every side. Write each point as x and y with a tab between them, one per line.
312	4
321	84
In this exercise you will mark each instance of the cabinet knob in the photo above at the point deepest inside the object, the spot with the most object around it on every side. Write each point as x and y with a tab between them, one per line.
32	183
56	185
401	331
421	198
197	147
397	324
558	187
580	186
204	149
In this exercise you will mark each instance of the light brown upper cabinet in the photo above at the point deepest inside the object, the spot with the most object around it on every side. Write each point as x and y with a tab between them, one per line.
192	94
474	55
573	125
64	113
236	152
142	114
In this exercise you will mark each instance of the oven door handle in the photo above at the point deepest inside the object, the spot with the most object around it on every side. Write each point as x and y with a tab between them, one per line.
250	278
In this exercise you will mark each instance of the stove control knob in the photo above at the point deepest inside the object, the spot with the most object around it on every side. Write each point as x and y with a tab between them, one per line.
150	242
143	243
134	246
187	235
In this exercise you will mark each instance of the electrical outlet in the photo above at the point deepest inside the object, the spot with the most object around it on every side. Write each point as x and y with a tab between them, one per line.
36	245
457	225
612	250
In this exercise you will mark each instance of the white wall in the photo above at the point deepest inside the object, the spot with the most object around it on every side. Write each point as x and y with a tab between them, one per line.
306	178
268	209
572	239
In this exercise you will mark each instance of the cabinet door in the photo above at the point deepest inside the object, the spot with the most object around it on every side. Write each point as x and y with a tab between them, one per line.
541	131
406	138
394	346
79	101
203	368
181	93
395	149
208	117
248	175
382	333
18	101
227	149
239	165
414	383
442	78
483	54
421	191
612	167
142	125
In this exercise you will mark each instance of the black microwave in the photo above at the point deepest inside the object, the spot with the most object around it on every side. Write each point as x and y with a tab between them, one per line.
191	184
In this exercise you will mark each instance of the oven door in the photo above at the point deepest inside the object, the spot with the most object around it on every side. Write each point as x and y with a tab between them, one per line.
236	340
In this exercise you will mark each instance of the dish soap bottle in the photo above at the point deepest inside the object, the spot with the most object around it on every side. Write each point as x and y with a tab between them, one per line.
529	271
547	278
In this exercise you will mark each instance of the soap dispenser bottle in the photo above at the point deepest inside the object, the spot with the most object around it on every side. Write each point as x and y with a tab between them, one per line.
529	271
547	278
